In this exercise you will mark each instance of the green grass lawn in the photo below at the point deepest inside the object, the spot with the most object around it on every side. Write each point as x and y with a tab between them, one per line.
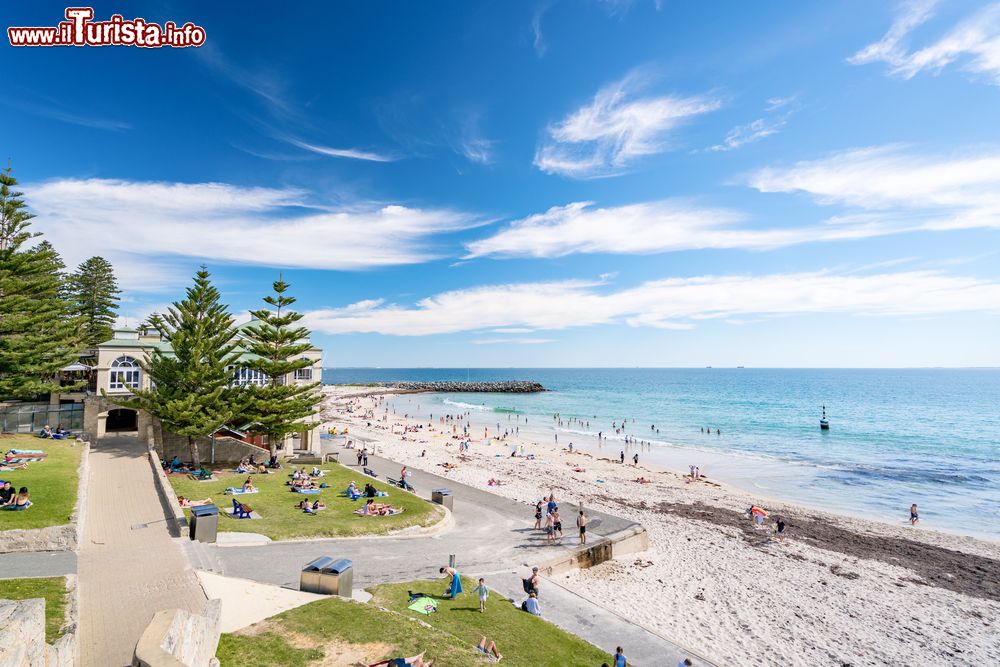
52	482
53	589
314	633
282	520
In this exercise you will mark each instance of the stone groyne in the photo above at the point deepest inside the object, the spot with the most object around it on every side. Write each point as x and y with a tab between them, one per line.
500	387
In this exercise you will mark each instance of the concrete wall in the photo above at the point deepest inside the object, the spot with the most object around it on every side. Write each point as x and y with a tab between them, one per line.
22	642
176	638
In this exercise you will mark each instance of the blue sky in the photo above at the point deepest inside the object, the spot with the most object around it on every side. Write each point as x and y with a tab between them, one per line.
562	183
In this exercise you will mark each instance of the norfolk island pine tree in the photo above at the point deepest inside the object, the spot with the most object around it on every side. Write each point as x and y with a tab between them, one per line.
192	394
275	340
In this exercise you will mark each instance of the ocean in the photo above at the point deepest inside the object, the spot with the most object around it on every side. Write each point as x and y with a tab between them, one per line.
925	436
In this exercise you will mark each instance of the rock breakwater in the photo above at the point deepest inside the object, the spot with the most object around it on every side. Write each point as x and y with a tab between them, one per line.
499	387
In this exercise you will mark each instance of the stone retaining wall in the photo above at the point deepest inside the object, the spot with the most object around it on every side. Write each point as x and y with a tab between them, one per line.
499	387
22	642
178	638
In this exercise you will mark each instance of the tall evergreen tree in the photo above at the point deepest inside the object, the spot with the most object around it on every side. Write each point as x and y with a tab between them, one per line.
192	394
276	340
37	333
93	293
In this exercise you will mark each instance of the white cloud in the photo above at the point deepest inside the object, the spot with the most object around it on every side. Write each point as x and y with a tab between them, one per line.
603	137
351	153
892	178
471	142
653	227
672	303
536	28
145	228
975	42
513	341
749	133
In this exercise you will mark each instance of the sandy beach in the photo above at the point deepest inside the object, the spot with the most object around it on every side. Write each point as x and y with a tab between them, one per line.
838	590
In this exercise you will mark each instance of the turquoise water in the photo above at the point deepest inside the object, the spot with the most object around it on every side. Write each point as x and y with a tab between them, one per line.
929	436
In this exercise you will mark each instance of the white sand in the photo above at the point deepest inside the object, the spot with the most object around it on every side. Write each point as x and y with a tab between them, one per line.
763	603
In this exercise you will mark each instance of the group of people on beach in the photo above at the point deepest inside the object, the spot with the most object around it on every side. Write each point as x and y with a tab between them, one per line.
549	508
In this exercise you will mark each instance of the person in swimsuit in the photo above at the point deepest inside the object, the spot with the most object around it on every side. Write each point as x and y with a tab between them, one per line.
557	523
581	523
914	516
780	530
538	515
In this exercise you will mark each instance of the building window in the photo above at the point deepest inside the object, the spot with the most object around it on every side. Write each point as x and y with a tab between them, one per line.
243	376
125	374
304	373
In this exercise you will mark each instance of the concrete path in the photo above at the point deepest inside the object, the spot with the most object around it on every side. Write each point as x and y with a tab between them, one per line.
492	537
37	564
129	566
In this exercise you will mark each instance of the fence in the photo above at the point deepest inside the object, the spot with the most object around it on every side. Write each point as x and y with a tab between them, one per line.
31	417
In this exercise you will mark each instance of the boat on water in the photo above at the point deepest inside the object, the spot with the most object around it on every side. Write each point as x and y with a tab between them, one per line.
824	423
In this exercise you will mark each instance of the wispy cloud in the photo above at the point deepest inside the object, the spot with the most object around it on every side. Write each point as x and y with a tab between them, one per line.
761	127
266	84
146	228
671	303
329	151
661	226
619	125
56	111
536	27
471	143
513	341
974	42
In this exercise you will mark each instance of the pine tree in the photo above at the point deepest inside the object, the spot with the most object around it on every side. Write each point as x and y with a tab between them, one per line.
37	333
93	293
192	396
279	407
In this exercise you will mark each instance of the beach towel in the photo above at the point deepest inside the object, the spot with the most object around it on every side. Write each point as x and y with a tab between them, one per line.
17	508
456	585
424	606
393	511
26	458
308	492
238	491
27	451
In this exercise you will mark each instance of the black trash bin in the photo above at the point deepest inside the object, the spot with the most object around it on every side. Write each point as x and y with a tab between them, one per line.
204	523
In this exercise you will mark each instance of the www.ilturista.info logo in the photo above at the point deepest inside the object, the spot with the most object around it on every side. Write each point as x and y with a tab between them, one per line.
79	29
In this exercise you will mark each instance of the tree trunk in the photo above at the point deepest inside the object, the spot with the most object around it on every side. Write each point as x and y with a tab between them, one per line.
195	459
273	444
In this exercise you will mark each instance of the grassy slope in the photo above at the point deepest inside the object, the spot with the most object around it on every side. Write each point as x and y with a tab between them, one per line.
52	483
282	520
53	589
449	636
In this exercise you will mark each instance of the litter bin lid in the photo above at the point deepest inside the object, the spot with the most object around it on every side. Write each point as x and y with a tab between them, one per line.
443	492
204	510
339	566
318	564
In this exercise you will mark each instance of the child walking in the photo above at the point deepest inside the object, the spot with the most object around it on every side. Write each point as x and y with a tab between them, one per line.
484	593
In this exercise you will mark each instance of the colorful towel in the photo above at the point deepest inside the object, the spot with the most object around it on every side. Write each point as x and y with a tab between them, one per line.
27	451
456	585
308	492
238	491
424	606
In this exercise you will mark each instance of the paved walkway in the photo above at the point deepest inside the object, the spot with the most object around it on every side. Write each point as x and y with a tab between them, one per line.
129	567
37	564
492	537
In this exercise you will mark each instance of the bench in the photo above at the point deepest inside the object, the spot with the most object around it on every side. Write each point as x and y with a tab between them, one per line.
241	510
399	483
370	472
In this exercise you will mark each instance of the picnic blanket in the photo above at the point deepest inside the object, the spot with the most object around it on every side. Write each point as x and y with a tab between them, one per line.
238	491
424	605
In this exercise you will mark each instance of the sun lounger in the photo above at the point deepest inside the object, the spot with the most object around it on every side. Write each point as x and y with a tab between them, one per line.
239	491
241	511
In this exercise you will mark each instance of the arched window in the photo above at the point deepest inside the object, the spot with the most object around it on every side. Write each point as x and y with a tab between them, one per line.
125	374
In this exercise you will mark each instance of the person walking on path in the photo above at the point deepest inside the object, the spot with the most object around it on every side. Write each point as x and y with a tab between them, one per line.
635	459
550	528
557	523
483	592
530	584
359	456
364	456
456	582
581	523
619	658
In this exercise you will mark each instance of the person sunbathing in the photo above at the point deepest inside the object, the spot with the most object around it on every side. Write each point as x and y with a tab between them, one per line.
489	649
262	469
22	500
352	490
46	432
248	486
186	502
10	467
415	661
641	480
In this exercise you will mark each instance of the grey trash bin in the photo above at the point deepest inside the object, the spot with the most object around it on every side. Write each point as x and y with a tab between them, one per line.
327	576
443	497
204	523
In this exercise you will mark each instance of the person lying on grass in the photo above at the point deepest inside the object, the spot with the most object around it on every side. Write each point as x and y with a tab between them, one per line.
489	649
187	502
373	508
415	661
5	466
311	506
